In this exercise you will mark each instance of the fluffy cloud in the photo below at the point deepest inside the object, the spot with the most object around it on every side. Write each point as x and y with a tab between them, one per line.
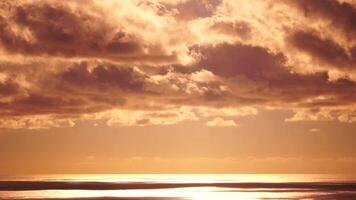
157	62
168	115
219	122
96	29
35	122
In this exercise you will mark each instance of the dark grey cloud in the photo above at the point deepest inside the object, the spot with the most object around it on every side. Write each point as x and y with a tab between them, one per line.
339	14
78	88
230	60
323	49
272	79
103	77
56	29
8	88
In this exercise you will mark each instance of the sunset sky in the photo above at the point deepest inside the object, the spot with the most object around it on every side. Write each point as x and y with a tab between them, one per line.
177	86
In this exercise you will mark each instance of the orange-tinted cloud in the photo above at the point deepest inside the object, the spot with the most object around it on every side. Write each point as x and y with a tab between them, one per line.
163	62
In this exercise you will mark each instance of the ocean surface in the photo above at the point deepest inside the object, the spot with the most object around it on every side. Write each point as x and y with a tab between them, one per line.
179	187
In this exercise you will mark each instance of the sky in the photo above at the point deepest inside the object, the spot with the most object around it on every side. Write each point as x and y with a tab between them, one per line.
177	86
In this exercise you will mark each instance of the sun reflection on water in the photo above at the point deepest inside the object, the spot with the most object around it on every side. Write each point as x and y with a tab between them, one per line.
193	193
202	193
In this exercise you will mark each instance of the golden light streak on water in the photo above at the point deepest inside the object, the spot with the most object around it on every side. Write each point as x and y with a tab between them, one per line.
193	193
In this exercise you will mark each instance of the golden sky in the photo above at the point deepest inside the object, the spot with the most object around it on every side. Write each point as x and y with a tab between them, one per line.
177	86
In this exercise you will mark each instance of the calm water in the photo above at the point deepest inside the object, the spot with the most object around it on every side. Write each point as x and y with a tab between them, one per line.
194	187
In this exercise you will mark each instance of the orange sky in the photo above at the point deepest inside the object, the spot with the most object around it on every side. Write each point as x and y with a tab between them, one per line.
181	86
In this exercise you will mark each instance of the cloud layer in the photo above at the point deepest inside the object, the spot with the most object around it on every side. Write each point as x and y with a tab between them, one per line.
157	62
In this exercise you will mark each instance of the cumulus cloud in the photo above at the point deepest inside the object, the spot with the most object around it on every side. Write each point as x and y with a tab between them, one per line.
168	115
219	122
35	122
158	62
74	29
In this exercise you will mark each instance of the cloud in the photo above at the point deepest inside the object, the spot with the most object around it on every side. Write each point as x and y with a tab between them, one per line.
325	50
340	14
168	115
114	94
104	76
231	27
264	78
219	122
253	62
68	88
342	114
35	122
52	28
8	88
165	116
193	9
138	62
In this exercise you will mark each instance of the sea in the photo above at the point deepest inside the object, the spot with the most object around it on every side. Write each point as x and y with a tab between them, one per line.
179	187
